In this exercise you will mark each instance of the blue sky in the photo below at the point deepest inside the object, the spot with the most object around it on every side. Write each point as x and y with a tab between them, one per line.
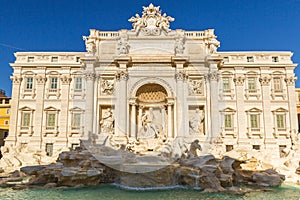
58	25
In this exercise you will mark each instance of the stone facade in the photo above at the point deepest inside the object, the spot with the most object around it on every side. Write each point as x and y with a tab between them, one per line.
152	85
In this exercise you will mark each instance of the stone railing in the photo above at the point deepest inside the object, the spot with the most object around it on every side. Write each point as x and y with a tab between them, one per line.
194	34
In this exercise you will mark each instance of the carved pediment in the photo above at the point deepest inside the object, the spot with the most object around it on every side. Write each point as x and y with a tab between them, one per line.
152	21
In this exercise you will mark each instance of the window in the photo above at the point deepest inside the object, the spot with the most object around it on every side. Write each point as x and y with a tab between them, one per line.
30	59
251	84
78	83
77	59
53	82
250	59
5	122
49	149
277	84
256	147
29	82
229	148
275	59
7	111
280	121
51	118
254	121
228	121
54	59
76	120
26	119
226	84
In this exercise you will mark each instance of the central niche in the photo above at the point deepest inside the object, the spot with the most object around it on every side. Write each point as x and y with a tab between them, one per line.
151	100
151	93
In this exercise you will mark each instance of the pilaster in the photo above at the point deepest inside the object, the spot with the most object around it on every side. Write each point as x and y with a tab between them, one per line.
64	114
40	80
290	83
13	128
267	116
239	81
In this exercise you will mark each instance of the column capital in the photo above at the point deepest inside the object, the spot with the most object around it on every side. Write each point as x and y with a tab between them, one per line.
90	75
290	80
40	79
16	79
181	76
239	80
211	76
122	75
264	80
65	80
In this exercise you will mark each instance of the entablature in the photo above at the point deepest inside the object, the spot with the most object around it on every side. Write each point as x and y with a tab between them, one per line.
273	59
47	59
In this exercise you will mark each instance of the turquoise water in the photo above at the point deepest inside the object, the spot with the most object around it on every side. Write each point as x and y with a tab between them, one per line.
289	192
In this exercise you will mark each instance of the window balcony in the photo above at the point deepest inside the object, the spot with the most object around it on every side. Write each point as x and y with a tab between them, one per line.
255	132
26	130
278	93
281	132
229	131
28	92
50	130
252	93
227	93
76	130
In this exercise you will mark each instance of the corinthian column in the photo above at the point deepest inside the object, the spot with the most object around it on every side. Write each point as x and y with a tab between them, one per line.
89	74
213	77
122	103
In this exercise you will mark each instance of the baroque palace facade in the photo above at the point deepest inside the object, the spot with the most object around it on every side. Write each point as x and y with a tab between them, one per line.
150	85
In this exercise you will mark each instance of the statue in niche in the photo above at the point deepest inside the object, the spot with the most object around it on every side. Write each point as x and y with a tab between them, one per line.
107	87
196	123
149	129
107	122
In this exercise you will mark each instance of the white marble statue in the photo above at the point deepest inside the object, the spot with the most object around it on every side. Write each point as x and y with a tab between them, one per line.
148	129
107	122
196	123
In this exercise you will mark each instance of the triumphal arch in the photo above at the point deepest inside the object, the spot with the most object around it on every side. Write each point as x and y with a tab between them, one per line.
158	85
